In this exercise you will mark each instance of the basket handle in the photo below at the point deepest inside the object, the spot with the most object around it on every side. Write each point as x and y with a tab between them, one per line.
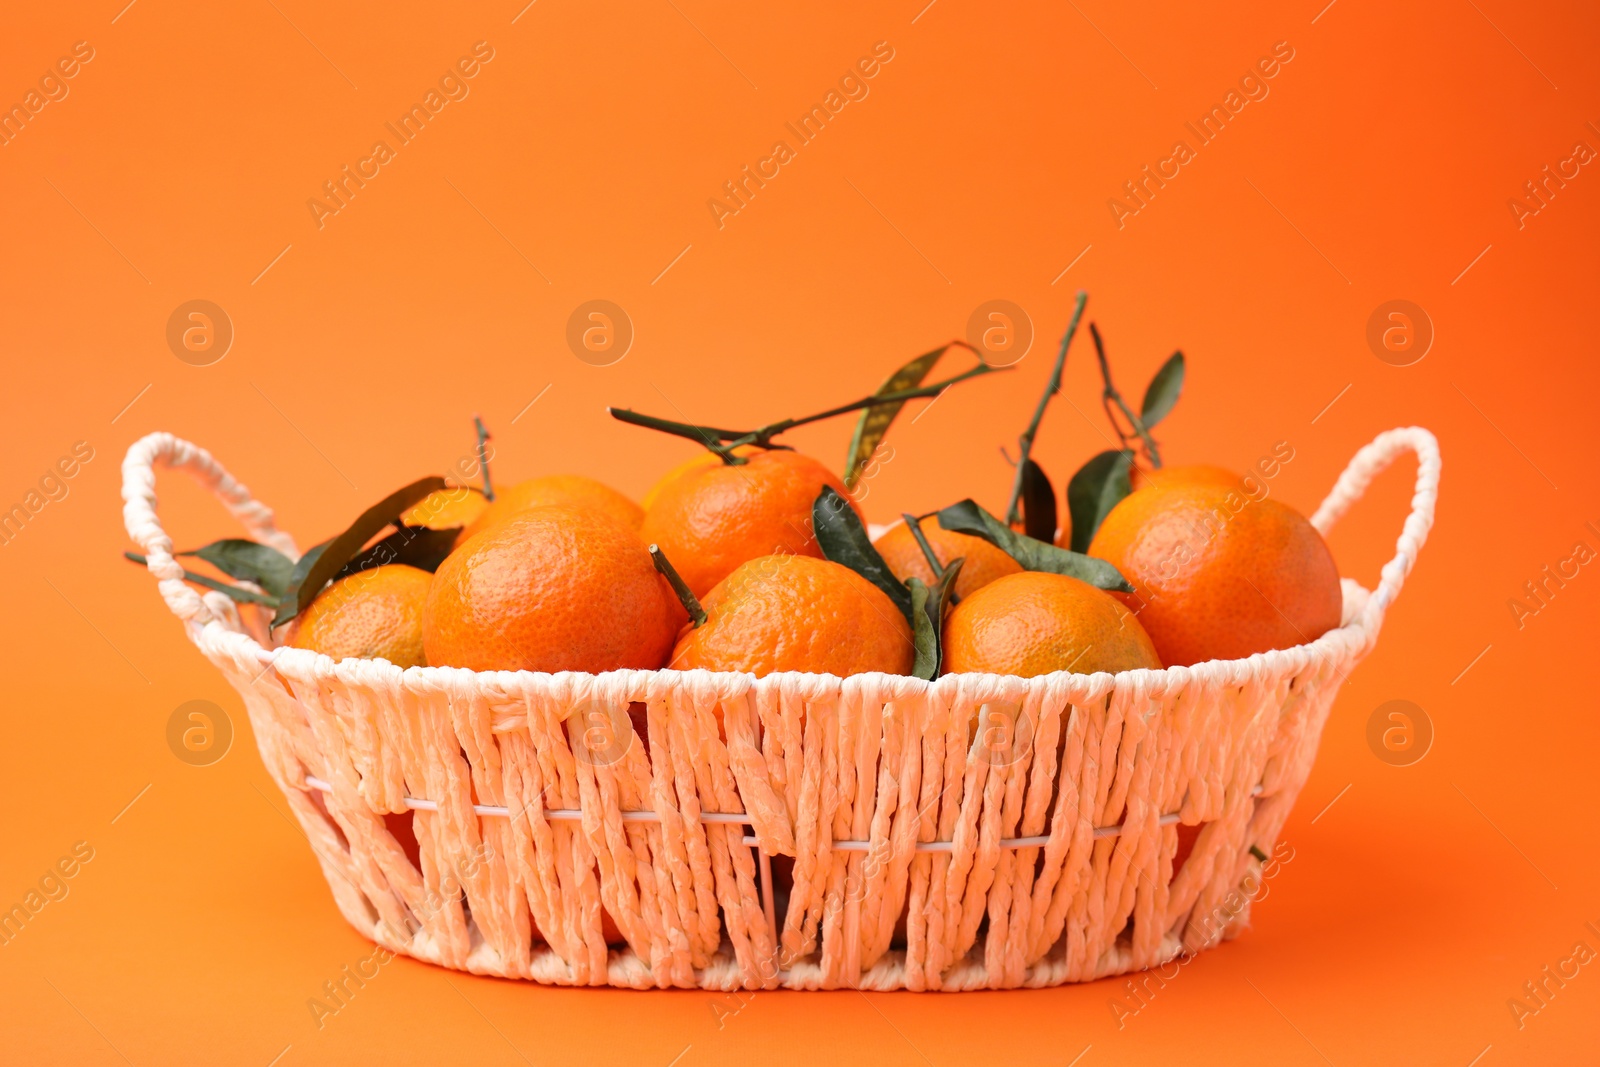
139	514
1367	464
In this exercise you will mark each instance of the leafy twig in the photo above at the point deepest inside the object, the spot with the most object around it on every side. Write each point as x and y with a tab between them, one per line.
1110	396
1025	442
1034	555
875	421
722	442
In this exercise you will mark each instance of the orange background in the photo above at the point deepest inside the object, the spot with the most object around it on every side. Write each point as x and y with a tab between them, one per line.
979	167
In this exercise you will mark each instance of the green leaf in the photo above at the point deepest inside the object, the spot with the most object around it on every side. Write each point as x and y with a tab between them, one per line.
946	589
248	561
1099	486
844	540
302	567
924	635
414	546
1038	503
1034	555
312	573
927	618
874	421
1162	392
234	592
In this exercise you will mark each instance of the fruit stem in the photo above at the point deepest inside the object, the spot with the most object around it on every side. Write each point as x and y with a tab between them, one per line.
483	457
685	597
1261	857
1110	395
1025	442
722	442
940	571
922	543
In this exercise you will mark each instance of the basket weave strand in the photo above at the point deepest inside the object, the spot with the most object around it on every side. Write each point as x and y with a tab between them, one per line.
924	856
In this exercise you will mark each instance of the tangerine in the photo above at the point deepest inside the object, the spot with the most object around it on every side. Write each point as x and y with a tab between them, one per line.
1193	474
572	490
371	614
1217	575
713	517
796	613
704	459
1036	623
443	508
554	588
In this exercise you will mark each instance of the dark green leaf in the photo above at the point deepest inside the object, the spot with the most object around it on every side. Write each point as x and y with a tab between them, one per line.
303	565
927	618
310	576
844	540
234	592
414	546
1038	503
1099	486
1034	555
248	561
874	421
1162	392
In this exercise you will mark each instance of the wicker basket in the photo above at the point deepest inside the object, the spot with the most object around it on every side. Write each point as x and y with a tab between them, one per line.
1032	850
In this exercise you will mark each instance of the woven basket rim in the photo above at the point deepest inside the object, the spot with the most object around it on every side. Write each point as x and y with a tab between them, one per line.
1341	641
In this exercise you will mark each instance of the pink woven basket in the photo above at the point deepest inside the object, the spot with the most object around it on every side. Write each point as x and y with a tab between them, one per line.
927	854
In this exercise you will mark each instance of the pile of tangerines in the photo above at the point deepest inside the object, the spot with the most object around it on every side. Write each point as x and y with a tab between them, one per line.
753	557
